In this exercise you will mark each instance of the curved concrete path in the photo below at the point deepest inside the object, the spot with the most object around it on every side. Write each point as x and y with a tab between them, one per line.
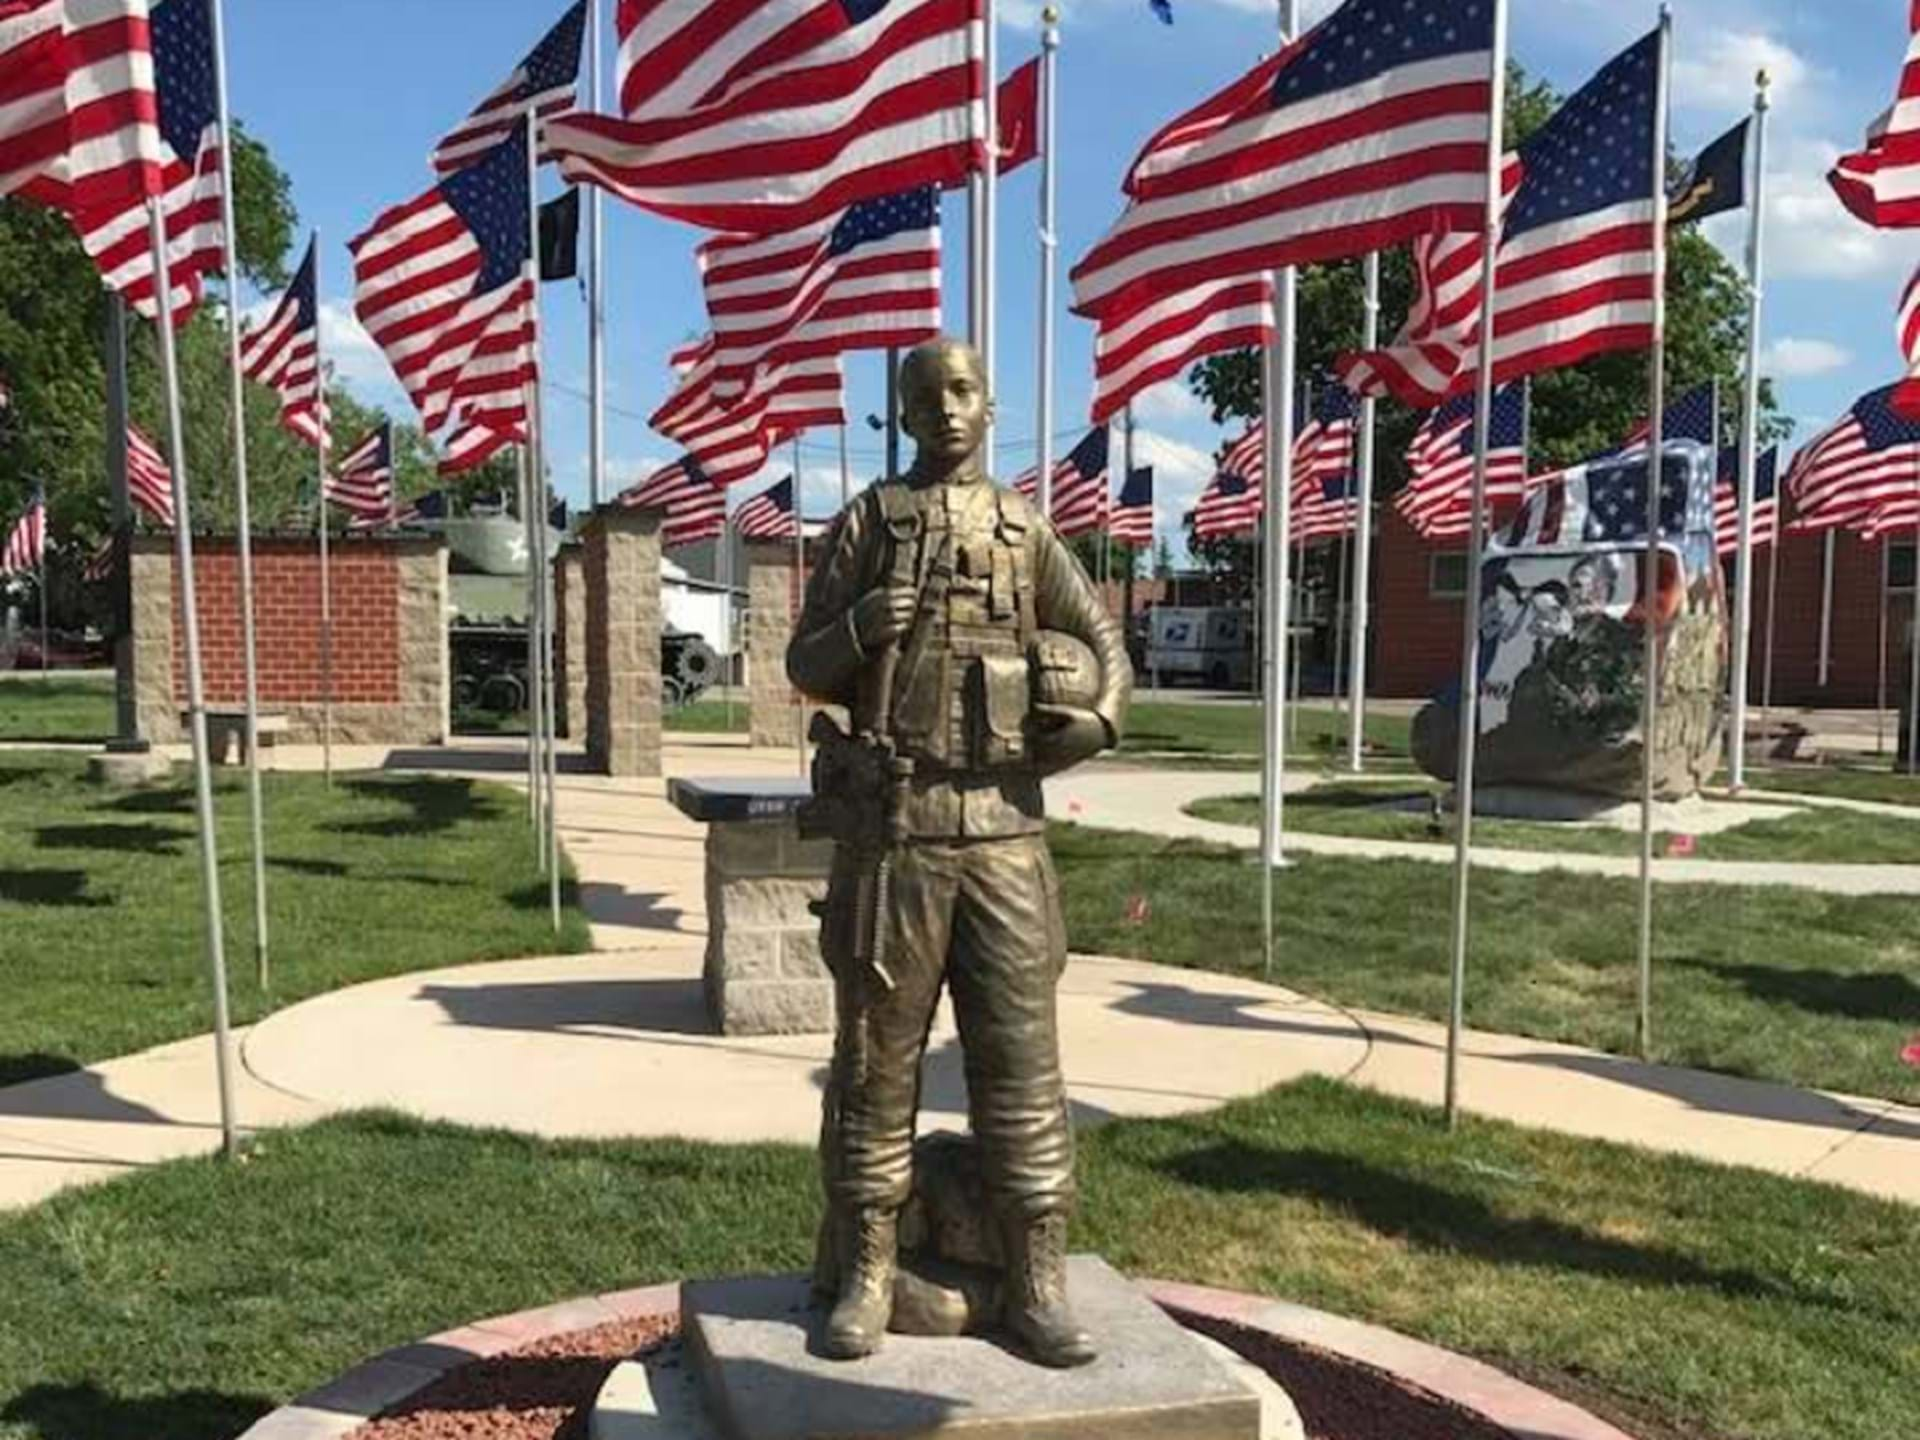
1155	803
615	1043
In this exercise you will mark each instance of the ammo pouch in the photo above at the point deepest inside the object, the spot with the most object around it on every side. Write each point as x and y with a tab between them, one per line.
998	695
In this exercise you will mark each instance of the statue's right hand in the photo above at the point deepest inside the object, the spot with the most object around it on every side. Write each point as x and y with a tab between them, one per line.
883	614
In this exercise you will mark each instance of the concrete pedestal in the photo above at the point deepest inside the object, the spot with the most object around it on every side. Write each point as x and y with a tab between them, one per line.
622	641
763	973
129	769
753	1374
775	715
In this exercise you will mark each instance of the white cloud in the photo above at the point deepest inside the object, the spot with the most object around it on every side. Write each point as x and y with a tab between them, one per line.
1714	68
1790	358
354	357
1809	233
1169	400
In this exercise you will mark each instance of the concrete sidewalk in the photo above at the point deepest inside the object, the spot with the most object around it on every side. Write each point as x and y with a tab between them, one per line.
616	1043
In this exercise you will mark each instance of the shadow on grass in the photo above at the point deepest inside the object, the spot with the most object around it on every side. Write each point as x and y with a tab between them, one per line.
86	1412
433	805
1875	995
297	865
132	839
16	775
1447	1221
66	888
164	800
18	1069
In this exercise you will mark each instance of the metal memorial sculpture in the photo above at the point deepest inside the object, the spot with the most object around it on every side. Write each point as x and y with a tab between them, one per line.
973	657
1562	638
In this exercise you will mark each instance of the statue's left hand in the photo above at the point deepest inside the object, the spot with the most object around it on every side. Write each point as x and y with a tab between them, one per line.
1063	735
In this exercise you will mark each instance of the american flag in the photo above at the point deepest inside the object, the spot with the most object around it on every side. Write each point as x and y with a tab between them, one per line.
99	567
1867	457
1324	494
1079	486
471	446
444	284
149	479
26	545
433	505
1906	395
1343	143
692	507
1158	341
1437	342
1438	498
1880	183
1605	503
117	235
768	515
732	442
769	116
1132	520
1576	260
81	128
1766	499
1247	456
1694	416
866	279
364	485
1228	506
284	354
543	83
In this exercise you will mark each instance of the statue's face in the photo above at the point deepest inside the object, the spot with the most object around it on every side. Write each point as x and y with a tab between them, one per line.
943	401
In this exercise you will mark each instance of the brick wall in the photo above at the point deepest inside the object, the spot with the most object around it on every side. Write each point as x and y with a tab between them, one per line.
1415	634
389	670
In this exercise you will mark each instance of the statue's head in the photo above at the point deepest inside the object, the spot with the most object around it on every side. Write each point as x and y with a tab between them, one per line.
944	403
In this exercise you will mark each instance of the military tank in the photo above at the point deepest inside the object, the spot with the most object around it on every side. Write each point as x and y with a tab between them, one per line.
487	637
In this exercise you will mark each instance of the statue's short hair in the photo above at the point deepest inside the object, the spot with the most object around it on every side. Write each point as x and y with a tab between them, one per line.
929	353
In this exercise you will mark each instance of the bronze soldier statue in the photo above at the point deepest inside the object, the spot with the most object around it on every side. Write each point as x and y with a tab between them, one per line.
973	656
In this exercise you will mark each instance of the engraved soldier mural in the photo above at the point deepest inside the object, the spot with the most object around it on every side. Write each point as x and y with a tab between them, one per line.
974	657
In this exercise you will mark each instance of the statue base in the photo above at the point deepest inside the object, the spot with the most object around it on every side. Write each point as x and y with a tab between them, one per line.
752	1371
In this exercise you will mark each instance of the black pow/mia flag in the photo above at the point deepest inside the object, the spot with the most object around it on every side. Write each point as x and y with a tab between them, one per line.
1715	182
560	237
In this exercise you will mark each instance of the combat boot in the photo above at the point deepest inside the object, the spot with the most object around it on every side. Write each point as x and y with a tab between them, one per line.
1036	1304
869	1260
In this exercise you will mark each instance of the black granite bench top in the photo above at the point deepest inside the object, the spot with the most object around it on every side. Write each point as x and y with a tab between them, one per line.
738	797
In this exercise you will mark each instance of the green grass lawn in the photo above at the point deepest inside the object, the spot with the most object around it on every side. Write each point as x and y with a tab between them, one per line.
1831	836
100	899
1768	982
1844	782
1208	731
707	717
60	707
1693	1301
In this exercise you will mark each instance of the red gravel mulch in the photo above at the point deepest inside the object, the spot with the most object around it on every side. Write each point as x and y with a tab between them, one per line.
544	1391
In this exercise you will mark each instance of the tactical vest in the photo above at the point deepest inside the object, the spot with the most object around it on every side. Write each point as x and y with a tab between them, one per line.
962	688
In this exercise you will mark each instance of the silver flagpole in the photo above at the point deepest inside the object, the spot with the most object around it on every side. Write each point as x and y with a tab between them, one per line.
596	291
726	586
1277	509
40	502
1826	607
1749	442
1773	595
797	592
1049	252
1650	559
196	691
989	224
242	505
1476	541
539	737
525	501
892	429
326	556
1913	654
1363	538
1880	691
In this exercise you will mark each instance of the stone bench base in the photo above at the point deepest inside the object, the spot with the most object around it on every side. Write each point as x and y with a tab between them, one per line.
227	733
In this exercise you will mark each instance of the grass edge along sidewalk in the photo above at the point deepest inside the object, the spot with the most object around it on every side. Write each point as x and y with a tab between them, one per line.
1679	1298
100	908
1766	982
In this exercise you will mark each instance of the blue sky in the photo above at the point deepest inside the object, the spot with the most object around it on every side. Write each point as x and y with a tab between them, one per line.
351	94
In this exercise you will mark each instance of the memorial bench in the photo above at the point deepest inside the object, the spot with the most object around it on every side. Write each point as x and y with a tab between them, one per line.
763	971
227	731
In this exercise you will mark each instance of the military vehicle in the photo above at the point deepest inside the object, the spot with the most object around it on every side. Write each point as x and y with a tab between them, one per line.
487	637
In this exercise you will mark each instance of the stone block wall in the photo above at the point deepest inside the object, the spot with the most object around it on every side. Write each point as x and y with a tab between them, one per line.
764	975
621	631
774	713
570	639
390	665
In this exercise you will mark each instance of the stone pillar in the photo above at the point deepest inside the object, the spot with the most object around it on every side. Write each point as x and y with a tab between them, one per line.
423	601
570	639
764	974
622	635
150	563
773	712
